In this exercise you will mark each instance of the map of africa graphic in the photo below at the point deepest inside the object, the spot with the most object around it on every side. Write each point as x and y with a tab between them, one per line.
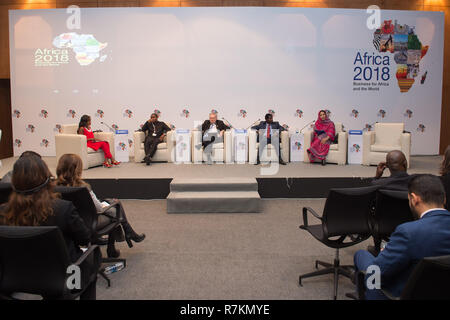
85	46
408	51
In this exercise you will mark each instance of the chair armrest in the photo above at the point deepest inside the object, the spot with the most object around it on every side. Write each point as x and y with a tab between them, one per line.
170	141
86	254
305	215
72	143
138	137
307	139
227	147
405	141
368	140
285	146
252	151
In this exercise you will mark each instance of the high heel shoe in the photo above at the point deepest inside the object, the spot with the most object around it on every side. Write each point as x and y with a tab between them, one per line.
107	165
135	237
116	163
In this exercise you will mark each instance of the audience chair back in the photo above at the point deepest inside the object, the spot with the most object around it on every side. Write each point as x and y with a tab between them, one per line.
430	280
82	201
347	211
5	191
33	260
392	209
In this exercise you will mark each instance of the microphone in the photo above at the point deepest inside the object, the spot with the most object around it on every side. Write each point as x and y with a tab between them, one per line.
110	128
253	123
231	126
307	125
370	125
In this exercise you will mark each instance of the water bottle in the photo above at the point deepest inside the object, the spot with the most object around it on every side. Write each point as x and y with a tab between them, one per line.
114	268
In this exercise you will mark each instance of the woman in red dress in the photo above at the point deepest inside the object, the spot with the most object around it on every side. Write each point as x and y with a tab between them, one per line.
84	127
324	133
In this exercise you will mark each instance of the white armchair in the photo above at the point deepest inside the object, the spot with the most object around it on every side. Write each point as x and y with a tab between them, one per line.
68	141
220	152
338	151
271	155
385	137
165	151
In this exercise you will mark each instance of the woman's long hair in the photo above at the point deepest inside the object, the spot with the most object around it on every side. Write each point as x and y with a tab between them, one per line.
445	167
31	202
83	121
69	171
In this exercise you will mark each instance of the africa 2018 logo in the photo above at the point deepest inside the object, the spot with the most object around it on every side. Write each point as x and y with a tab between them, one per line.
373	69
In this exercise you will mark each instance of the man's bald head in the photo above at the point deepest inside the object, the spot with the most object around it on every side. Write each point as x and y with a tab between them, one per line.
396	161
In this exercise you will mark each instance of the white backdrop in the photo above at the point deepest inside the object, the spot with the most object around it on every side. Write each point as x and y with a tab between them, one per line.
125	63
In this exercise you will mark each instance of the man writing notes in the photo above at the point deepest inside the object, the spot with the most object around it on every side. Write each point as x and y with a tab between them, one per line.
155	131
267	127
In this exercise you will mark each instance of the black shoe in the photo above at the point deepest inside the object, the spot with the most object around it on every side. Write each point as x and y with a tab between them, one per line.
113	253
282	162
148	161
323	162
135	237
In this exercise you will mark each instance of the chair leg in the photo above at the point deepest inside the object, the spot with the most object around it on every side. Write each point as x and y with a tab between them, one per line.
336	282
104	276
315	273
323	264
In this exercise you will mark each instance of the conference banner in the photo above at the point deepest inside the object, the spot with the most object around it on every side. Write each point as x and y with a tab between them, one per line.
119	65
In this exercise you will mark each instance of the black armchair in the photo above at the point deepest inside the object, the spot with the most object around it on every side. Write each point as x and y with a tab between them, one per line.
82	200
34	260
345	217
429	280
391	210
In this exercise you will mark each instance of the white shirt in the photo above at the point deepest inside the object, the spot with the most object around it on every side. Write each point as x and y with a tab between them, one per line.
430	210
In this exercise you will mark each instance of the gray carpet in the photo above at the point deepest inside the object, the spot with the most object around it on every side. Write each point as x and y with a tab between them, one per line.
223	256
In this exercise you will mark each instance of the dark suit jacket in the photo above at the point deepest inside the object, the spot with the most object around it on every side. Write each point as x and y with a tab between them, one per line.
446	182
397	181
410	242
219	125
72	227
274	125
160	127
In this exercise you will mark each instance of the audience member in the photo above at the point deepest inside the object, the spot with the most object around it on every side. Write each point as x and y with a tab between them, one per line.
397	164
7	177
445	172
34	203
428	236
69	171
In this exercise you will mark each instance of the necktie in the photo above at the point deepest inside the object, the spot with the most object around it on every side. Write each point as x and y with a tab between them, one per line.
268	131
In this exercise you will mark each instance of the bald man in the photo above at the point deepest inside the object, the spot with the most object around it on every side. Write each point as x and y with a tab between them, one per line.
397	164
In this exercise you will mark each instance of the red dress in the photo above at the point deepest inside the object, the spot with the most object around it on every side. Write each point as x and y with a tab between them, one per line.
97	145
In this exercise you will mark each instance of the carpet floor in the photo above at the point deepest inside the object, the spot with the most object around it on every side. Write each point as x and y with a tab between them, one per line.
224	256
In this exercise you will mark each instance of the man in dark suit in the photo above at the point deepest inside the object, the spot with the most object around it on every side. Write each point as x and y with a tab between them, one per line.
267	127
428	236
397	164
155	132
212	129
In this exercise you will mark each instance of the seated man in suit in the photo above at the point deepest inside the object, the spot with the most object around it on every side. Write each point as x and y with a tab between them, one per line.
428	236
155	131
267	127
212	129
397	164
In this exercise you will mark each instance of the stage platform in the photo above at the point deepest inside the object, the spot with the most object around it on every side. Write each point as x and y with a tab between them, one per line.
295	180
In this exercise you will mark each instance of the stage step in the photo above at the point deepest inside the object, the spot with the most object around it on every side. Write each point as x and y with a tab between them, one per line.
229	195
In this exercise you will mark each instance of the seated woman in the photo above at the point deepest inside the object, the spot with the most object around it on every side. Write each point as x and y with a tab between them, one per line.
84	127
445	172
34	203
68	171
324	133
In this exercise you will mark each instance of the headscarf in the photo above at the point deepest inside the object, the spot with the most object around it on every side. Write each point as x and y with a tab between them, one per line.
325	125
